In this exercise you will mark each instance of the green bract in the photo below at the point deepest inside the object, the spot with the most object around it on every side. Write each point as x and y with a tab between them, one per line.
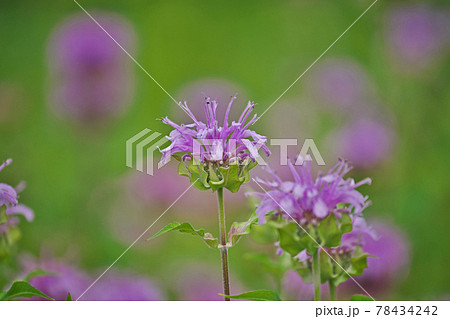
354	266
328	233
213	175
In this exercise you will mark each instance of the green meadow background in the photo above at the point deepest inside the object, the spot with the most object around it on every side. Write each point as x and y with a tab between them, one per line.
262	46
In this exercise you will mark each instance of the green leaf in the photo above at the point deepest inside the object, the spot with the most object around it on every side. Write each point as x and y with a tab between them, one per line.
346	223
22	289
207	238
289	240
326	267
358	264
360	298
256	295
36	273
214	179
234	182
3	216
340	278
264	234
329	232
355	268
69	297
309	244
198	176
238	230
182	170
304	271
275	267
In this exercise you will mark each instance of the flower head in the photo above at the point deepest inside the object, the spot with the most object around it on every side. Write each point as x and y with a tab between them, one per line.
59	279
349	252
366	142
119	286
8	195
308	199
342	84
216	151
417	34
91	78
350	242
194	93
9	204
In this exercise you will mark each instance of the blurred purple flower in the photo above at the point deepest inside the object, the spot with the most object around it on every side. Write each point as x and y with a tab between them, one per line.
8	195
163	188
123	287
60	280
9	199
145	197
91	76
340	83
198	283
390	265
295	288
219	150
307	199
365	142
359	234
416	34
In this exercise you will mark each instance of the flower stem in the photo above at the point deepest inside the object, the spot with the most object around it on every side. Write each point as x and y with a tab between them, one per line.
223	245
316	275
333	296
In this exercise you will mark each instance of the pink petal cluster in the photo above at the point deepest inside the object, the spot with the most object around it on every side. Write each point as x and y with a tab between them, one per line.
220	143
307	199
9	198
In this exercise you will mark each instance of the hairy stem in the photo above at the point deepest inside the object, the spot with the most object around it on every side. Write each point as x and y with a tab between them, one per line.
316	275
223	245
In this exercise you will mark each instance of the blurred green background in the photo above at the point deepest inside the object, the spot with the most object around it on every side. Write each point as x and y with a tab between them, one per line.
261	46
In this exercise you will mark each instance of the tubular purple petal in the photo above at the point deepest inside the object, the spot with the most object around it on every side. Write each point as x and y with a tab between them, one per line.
217	146
306	197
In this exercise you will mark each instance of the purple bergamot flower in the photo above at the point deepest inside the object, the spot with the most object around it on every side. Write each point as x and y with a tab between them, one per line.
216	154
9	204
194	94
307	199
